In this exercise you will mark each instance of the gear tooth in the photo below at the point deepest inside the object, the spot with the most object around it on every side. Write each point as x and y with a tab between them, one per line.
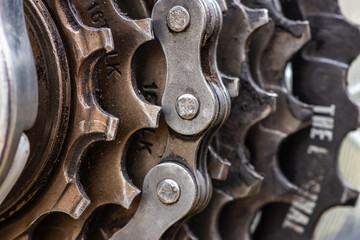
152	114
301	111
307	32
143	27
91	41
283	187
146	27
79	202
251	178
232	84
218	166
266	96
205	225
255	186
251	183
98	124
289	42
350	195
223	6
223	196
186	233
118	189
300	29
132	192
257	17
111	128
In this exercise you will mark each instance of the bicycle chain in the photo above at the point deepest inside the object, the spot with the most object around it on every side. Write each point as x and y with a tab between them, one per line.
120	185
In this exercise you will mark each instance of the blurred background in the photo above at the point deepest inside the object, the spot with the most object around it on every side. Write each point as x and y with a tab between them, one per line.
344	222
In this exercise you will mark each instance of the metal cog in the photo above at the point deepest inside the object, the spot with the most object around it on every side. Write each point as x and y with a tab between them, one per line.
227	158
320	71
171	119
170	145
186	146
88	124
114	69
272	47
